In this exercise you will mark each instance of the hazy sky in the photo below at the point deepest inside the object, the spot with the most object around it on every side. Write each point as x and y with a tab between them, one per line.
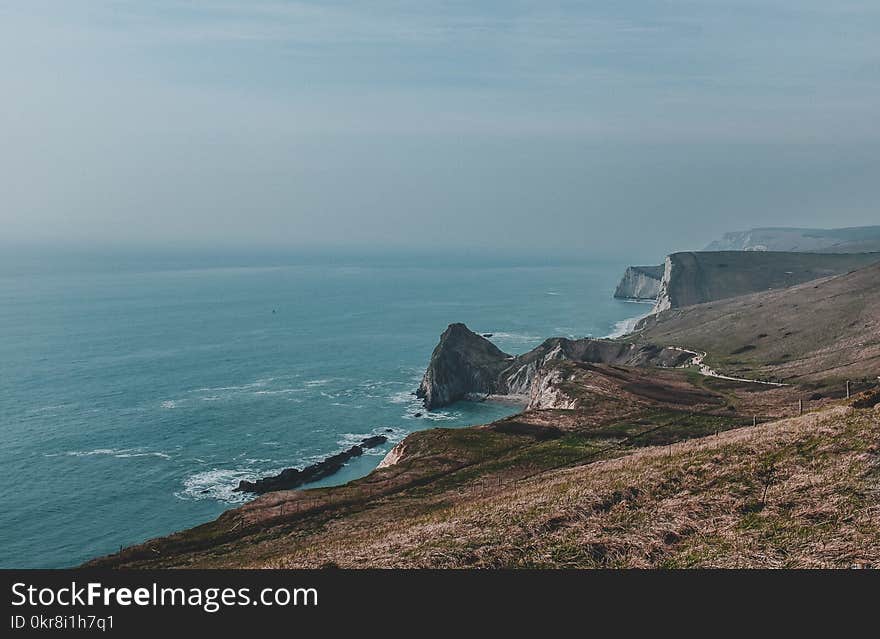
542	125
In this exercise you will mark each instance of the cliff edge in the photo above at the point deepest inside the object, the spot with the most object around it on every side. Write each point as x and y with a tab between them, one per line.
640	283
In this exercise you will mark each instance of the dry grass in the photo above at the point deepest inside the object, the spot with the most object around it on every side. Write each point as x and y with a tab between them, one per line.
803	492
819	331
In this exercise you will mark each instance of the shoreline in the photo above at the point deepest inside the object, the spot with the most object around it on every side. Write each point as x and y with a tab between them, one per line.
518	401
515	400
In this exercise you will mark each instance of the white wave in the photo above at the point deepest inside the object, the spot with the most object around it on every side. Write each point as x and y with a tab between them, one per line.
96	451
52	407
317	382
162	455
403	397
415	409
210	389
394	435
439	416
121	453
169	404
624	327
376	384
217	484
211	398
553	293
280	391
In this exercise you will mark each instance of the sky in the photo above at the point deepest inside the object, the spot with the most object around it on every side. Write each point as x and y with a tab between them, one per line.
586	128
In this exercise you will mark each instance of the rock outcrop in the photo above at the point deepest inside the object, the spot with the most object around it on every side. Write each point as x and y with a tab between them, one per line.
697	277
462	364
548	391
465	365
640	283
393	456
291	478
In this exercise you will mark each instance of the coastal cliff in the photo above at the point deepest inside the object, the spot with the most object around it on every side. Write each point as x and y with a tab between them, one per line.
697	277
815	330
640	283
465	365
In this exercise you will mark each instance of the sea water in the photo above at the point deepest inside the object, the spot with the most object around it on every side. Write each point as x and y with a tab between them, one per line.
134	397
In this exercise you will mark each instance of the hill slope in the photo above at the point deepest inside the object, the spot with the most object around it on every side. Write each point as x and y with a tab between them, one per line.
818	330
801	492
804	492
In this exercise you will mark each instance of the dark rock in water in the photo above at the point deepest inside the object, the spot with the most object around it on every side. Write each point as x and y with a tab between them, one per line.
417	415
389	430
290	478
487	334
462	363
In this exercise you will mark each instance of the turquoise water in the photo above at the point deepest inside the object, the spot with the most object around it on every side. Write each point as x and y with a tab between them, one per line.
133	399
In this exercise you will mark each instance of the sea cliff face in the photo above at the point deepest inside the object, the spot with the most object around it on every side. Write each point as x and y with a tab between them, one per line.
465	365
664	301
705	276
640	283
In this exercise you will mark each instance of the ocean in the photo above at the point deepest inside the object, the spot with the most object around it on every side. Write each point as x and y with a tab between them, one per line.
135	394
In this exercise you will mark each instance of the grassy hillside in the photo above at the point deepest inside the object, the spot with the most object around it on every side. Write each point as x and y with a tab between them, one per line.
800	492
803	492
618	410
821	330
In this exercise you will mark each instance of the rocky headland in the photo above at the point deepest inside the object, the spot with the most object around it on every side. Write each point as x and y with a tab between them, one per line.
465	365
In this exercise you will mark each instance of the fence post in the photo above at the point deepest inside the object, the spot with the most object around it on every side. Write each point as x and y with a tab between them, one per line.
847	389
800	407
754	420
